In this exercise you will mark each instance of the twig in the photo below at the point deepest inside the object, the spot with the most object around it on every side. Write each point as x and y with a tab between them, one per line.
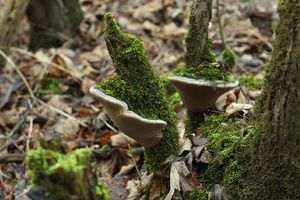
29	133
10	158
135	164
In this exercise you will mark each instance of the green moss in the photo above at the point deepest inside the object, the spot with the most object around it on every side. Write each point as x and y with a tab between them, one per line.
51	86
229	58
166	83
193	122
53	171
201	194
174	100
137	85
251	82
230	147
208	71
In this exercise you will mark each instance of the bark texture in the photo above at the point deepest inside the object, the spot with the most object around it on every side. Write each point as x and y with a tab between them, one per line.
53	22
276	165
197	43
9	23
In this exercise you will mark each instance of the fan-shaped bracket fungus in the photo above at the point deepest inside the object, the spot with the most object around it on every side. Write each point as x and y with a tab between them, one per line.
199	94
145	131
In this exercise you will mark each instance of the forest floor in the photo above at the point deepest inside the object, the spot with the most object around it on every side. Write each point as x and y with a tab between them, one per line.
56	101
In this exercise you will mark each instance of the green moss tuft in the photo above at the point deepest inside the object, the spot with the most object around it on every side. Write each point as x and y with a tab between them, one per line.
209	71
51	86
229	58
230	147
251	82
193	122
166	83
53	171
137	85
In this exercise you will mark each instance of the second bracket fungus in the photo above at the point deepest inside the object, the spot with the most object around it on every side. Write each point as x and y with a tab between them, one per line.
199	94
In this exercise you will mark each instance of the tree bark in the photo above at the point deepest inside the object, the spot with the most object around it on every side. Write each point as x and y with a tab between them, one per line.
197	43
53	22
14	10
276	164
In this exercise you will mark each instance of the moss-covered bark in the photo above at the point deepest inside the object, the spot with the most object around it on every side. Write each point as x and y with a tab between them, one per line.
64	175
274	172
52	22
198	49
197	42
137	85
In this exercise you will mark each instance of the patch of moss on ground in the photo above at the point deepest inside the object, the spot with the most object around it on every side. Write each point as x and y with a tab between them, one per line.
229	141
251	82
208	71
62	174
50	85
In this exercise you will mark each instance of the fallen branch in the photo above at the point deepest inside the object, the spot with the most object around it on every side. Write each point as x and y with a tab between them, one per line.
11	158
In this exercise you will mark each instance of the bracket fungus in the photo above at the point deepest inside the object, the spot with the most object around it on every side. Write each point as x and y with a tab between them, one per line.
199	94
129	122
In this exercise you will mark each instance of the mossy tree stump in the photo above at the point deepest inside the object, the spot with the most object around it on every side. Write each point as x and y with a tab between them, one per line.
52	22
275	167
137	85
64	175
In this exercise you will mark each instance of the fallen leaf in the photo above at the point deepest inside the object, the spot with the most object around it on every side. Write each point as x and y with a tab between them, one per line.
63	62
87	83
66	126
237	107
122	140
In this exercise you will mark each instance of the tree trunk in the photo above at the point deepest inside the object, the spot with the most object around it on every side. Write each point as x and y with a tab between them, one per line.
197	43
197	49
14	10
53	22
276	164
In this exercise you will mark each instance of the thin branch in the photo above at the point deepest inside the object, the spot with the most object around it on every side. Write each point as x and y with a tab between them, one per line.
29	133
10	158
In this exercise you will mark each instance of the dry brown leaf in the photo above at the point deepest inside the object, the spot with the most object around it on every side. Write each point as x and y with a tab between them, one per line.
87	83
62	61
58	102
238	107
174	182
122	140
112	166
172	30
66	126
